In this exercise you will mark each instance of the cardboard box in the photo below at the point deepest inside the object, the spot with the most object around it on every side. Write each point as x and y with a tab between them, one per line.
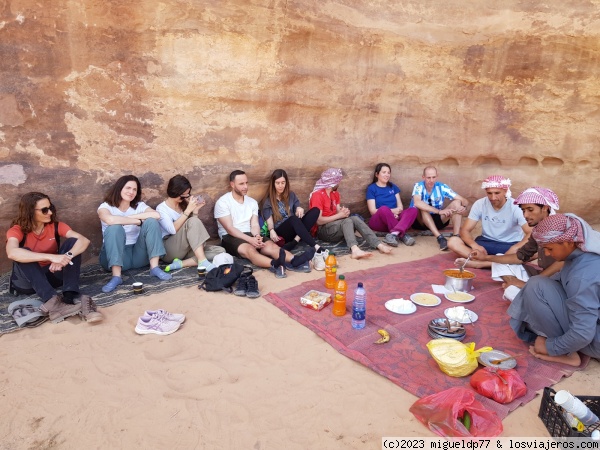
315	300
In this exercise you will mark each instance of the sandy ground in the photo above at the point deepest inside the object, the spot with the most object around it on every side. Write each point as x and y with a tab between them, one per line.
238	374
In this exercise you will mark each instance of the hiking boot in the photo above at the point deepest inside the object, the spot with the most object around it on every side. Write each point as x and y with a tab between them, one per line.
161	313
89	310
391	240
443	242
252	287
156	325
57	310
407	240
318	260
242	286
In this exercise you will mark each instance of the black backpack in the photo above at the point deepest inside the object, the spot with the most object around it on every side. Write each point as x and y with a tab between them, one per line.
222	278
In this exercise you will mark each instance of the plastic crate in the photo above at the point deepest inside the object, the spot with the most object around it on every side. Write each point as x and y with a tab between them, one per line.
552	415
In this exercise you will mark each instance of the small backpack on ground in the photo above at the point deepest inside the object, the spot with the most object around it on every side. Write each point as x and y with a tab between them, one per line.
222	278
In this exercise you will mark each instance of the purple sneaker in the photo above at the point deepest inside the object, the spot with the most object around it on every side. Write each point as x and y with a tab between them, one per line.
161	313
154	325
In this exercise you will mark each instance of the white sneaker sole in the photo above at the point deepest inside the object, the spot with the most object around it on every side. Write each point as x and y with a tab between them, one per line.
160	333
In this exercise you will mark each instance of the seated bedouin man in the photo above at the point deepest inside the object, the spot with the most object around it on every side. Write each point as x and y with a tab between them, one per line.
537	203
239	230
429	196
559	315
503	227
335	222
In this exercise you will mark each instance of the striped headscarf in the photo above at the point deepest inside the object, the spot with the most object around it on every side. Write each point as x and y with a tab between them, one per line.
558	228
539	196
329	178
497	181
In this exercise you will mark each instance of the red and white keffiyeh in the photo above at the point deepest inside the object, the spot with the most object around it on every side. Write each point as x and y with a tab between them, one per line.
539	196
497	181
329	178
558	228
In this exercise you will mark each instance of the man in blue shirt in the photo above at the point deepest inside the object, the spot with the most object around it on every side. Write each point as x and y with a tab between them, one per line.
429	196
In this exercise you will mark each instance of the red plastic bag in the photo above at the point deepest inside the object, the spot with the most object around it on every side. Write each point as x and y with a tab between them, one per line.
441	412
488	382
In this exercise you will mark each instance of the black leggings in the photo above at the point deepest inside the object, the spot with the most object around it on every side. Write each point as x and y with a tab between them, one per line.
293	226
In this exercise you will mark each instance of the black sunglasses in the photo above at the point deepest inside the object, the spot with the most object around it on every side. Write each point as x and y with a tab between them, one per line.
45	209
183	197
429	200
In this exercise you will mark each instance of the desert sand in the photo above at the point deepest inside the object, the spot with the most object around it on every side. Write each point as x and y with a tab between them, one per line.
238	374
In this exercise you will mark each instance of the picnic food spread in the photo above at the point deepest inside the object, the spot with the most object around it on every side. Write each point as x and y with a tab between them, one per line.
456	273
315	299
460	297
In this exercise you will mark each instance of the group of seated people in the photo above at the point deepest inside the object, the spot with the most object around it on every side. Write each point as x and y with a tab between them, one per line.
555	306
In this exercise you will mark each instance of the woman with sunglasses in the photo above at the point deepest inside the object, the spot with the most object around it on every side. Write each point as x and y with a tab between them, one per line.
41	264
184	234
130	231
387	213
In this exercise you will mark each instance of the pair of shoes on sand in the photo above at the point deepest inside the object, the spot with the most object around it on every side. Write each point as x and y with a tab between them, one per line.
247	286
392	240
159	322
57	310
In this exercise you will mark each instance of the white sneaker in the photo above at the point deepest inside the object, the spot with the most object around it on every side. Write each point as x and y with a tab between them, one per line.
318	260
155	325
161	313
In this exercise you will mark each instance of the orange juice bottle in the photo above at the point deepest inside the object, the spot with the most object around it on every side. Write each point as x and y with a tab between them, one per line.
339	299
330	271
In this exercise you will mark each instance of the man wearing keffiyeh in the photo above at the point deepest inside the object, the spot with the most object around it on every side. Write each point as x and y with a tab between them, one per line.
559	316
537	203
503	227
335	222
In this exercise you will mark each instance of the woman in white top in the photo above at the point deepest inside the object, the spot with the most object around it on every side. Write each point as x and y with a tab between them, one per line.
184	234
130	231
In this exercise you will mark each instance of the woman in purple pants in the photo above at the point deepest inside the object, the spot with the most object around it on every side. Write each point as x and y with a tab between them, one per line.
385	206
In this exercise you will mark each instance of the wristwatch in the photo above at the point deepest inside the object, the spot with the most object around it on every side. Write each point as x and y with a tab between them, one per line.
69	254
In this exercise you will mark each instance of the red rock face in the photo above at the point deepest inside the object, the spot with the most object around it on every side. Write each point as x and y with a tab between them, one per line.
94	89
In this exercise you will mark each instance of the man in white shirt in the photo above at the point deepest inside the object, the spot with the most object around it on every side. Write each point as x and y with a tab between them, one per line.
239	230
504	229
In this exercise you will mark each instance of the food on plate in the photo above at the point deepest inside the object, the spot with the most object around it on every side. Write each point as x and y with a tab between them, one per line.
459	296
425	299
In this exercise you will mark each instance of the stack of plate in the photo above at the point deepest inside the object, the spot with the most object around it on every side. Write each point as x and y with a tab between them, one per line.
446	328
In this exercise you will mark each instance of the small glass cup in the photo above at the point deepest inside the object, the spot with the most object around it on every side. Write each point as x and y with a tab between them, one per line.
138	287
201	272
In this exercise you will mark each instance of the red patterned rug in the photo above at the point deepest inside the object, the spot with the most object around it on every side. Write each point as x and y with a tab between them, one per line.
405	360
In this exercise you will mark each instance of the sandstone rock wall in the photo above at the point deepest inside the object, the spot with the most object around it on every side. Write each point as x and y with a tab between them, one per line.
93	89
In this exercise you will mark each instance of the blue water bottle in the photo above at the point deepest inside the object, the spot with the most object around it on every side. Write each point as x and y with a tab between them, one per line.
359	307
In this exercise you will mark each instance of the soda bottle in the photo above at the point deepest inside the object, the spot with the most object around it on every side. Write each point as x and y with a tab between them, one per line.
330	271
359	307
339	299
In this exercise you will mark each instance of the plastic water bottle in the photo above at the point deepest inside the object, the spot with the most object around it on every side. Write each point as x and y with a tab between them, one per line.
359	307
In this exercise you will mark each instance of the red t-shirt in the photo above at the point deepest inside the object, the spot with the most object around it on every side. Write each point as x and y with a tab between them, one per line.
44	243
326	203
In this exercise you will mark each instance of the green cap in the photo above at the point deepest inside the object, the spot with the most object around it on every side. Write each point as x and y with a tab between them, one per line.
342	277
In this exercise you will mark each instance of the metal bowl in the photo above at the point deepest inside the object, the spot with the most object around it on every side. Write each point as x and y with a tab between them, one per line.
454	282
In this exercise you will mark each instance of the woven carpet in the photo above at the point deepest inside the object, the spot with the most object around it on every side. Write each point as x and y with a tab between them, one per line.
405	360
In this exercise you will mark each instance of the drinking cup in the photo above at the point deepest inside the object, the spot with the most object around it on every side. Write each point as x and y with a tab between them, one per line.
565	399
138	287
201	272
582	412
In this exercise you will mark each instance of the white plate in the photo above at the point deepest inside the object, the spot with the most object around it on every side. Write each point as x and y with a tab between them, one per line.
435	300
470	299
486	357
464	320
394	306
